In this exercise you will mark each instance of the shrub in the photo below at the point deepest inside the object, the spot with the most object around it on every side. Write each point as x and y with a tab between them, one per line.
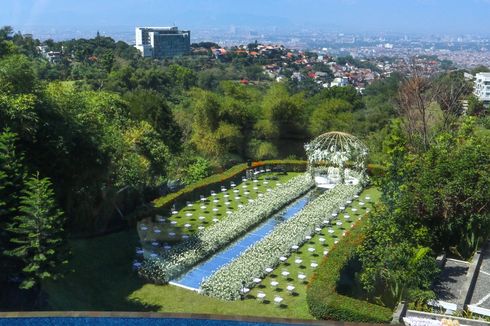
198	170
376	170
323	300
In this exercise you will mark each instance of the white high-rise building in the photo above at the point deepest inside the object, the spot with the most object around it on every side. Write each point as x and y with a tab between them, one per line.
482	87
162	42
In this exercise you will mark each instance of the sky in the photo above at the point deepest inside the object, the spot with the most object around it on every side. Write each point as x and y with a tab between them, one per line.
405	16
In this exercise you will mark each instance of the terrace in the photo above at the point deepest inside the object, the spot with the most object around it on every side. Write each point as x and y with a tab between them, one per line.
301	264
160	233
133	294
194	277
227	243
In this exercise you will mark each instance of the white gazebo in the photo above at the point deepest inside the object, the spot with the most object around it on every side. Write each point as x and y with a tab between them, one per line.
336	158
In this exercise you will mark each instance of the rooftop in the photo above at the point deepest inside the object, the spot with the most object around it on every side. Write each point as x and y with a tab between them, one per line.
168	28
483	74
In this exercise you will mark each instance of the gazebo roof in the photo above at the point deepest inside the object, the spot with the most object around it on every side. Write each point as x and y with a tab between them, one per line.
336	148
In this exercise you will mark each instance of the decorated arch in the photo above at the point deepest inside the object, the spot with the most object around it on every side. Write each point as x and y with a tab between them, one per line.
336	158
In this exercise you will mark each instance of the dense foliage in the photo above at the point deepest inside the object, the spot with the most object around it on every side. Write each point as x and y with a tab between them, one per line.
433	201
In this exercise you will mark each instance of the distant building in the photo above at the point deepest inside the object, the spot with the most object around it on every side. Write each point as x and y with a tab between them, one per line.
482	87
162	42
52	56
340	82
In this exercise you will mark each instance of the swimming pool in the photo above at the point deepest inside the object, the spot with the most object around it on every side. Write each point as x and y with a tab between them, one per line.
116	321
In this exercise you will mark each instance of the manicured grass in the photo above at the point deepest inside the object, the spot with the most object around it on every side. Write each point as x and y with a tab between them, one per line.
102	279
168	229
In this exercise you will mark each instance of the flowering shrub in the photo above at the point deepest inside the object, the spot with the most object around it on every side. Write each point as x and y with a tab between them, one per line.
203	244
227	281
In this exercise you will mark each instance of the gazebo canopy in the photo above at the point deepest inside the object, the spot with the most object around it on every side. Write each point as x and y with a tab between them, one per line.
337	151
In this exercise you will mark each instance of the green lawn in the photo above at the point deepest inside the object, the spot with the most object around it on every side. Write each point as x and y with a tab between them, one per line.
187	220
102	279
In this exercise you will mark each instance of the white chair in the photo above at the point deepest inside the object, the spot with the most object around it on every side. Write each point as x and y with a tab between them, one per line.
274	284
278	300
261	296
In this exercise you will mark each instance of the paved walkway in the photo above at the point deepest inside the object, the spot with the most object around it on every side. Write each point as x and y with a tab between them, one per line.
450	282
481	294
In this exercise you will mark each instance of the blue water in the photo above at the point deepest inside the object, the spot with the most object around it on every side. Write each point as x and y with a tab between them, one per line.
119	321
195	276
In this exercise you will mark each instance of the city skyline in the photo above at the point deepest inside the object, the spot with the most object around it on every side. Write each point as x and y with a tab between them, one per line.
420	16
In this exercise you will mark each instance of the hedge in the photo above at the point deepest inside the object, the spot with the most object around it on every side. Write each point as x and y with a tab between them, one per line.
323	300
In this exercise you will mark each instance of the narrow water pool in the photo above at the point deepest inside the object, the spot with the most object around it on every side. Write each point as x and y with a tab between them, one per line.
193	278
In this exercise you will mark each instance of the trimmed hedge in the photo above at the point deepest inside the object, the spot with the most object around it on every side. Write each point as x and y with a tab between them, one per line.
323	300
217	179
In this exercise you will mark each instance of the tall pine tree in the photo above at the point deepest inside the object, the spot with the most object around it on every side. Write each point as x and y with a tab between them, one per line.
11	180
38	234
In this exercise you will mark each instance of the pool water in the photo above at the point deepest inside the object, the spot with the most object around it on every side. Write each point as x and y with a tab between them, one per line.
193	278
113	321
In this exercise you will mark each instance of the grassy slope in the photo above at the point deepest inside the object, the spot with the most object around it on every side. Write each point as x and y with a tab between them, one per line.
102	279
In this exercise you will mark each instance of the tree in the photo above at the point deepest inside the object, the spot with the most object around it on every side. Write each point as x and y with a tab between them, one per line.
475	106
6	45
197	170
11	180
333	114
17	75
347	93
449	90
6	32
38	234
478	69
152	107
106	60
284	112
414	99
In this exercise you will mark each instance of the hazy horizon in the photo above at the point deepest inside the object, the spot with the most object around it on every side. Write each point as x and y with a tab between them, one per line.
359	16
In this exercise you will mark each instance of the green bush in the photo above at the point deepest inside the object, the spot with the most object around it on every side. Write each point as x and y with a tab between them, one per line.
375	170
323	300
